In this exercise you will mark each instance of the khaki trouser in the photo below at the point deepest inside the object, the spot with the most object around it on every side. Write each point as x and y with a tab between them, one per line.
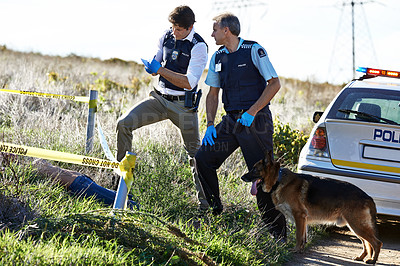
155	109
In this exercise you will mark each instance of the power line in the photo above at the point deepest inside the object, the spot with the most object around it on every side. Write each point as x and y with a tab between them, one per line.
228	4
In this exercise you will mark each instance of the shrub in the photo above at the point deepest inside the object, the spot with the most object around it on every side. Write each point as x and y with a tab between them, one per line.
288	142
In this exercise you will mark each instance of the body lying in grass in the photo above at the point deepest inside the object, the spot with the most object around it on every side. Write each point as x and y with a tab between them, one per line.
79	184
76	183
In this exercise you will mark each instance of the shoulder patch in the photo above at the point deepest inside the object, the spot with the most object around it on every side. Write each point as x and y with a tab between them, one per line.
261	52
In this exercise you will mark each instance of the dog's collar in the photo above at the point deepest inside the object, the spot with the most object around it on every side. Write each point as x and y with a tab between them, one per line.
279	176
274	187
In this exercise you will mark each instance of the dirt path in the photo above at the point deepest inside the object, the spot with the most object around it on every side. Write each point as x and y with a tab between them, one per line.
342	245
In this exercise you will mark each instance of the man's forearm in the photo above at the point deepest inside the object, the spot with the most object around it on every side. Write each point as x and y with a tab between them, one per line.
211	108
270	90
177	79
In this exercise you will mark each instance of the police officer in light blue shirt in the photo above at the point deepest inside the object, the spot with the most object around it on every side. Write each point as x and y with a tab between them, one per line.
259	58
248	81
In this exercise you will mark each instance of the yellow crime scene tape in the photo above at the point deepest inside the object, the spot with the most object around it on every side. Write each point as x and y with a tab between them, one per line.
57	156
83	99
124	168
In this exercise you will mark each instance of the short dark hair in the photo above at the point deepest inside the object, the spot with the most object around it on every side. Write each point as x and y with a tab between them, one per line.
228	20
182	16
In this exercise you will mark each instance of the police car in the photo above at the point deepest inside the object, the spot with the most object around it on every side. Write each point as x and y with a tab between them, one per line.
357	138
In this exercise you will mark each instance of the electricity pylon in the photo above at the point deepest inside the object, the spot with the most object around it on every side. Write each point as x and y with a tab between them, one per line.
362	48
242	6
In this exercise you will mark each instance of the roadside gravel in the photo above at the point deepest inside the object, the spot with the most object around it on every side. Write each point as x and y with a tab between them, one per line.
341	245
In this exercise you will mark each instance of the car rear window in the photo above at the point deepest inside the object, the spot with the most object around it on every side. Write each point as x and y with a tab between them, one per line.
371	105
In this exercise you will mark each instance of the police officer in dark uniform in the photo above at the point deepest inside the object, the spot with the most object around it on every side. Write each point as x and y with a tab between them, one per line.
248	81
180	61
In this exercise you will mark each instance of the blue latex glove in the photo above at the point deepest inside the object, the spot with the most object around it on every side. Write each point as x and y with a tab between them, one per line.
154	66
208	137
246	119
146	66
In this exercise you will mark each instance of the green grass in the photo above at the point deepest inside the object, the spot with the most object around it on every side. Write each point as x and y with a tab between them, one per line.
42	224
68	230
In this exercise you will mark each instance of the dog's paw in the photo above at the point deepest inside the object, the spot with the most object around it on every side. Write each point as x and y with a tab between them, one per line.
370	261
298	250
357	258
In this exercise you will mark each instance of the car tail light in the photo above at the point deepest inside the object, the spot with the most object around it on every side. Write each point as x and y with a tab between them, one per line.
317	144
318	141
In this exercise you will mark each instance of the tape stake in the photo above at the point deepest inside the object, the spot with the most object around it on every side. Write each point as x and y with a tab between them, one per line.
57	156
83	99
126	171
91	120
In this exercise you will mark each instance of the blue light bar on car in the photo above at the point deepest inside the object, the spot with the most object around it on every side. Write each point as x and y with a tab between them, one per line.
362	69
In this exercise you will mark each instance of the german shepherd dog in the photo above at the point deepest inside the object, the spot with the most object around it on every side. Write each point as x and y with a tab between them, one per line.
307	199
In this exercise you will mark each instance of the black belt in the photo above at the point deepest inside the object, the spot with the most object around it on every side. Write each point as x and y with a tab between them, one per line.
237	112
170	97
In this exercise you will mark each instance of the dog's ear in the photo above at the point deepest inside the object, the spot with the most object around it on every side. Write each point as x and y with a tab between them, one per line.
269	157
265	161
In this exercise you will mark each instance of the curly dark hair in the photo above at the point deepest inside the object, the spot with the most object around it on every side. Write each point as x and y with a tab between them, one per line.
182	16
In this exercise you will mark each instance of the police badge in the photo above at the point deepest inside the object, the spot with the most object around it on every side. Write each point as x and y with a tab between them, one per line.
174	54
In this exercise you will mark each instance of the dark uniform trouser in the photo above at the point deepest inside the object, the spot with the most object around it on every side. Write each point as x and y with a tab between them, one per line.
155	109
230	136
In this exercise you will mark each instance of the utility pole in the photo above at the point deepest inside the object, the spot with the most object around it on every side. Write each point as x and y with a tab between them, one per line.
353	39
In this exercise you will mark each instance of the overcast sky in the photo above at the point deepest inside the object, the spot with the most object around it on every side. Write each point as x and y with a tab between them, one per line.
309	39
